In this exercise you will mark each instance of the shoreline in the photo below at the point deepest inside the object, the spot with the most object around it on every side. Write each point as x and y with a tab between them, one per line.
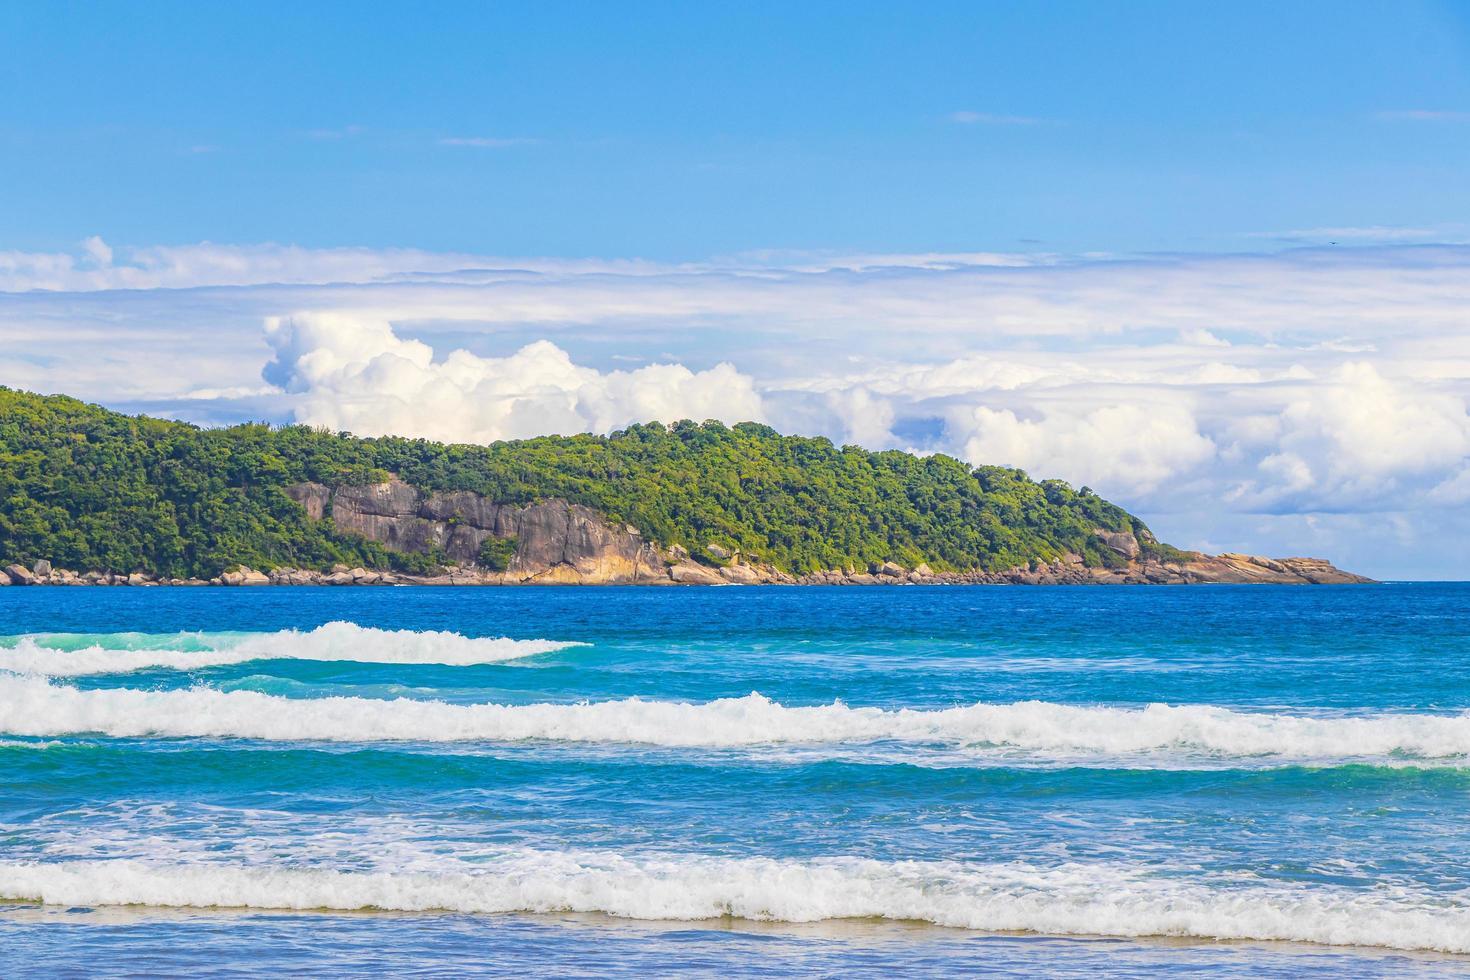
859	928
1227	569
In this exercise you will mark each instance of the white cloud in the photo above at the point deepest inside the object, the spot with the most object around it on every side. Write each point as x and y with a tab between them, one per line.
1130	447
866	418
340	133
488	142
357	375
1200	337
98	251
1360	234
969	118
1453	491
1359	440
1307	384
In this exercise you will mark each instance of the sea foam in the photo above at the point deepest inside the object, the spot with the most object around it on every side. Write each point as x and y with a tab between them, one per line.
37	707
75	655
1069	899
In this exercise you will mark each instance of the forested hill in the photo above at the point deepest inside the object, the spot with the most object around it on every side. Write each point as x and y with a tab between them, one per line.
88	488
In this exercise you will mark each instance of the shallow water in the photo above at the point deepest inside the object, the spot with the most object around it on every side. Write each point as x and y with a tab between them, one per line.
738	780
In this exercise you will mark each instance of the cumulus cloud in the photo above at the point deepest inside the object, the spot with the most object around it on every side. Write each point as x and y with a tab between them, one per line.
1358	440
866	419
1130	447
358	375
1309	385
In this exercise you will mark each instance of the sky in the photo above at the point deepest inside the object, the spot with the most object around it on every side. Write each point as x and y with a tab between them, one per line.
1212	260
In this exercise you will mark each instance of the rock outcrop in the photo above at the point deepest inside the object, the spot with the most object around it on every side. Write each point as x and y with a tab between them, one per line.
563	543
555	541
20	575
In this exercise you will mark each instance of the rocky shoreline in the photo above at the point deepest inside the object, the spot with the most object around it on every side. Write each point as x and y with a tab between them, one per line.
1206	569
555	542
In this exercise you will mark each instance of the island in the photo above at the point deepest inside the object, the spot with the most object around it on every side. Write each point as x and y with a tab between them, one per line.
90	496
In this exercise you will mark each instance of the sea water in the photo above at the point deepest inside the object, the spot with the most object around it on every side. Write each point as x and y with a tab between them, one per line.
1213	781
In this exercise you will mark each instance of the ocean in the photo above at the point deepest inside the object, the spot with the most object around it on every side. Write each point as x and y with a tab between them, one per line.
423	782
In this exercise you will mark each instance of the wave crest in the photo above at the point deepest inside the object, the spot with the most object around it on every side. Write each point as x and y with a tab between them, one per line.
37	707
1072	899
76	654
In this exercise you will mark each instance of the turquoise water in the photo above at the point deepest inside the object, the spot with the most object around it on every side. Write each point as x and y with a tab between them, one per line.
1212	781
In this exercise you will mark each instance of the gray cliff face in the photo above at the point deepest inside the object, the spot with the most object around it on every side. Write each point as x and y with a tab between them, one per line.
556	541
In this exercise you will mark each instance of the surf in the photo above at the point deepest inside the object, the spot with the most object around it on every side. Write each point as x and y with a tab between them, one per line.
33	706
83	654
1069	899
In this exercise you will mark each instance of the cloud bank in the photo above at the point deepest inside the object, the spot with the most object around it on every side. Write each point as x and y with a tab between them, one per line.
355	374
1311	400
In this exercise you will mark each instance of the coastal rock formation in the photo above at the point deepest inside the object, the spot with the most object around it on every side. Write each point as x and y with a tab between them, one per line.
20	575
1253	568
560	543
555	541
1201	569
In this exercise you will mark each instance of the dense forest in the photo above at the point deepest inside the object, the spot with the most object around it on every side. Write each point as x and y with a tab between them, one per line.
91	489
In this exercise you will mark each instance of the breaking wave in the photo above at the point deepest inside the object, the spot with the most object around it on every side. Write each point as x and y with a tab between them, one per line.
1069	899
37	707
79	654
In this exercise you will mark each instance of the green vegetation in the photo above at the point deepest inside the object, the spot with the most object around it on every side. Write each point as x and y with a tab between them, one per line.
93	489
496	553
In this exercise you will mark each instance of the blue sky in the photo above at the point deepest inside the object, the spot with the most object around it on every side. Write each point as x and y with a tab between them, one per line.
682	131
1212	260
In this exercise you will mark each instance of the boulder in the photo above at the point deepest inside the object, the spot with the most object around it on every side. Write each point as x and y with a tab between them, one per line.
691	573
717	551
741	575
1123	542
245	576
42	568
891	570
4	579
20	575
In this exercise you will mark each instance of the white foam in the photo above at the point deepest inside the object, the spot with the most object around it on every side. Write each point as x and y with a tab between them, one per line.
38	707
73	655
1071	899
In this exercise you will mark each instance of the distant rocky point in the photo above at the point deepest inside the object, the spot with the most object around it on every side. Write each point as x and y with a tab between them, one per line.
113	499
558	543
